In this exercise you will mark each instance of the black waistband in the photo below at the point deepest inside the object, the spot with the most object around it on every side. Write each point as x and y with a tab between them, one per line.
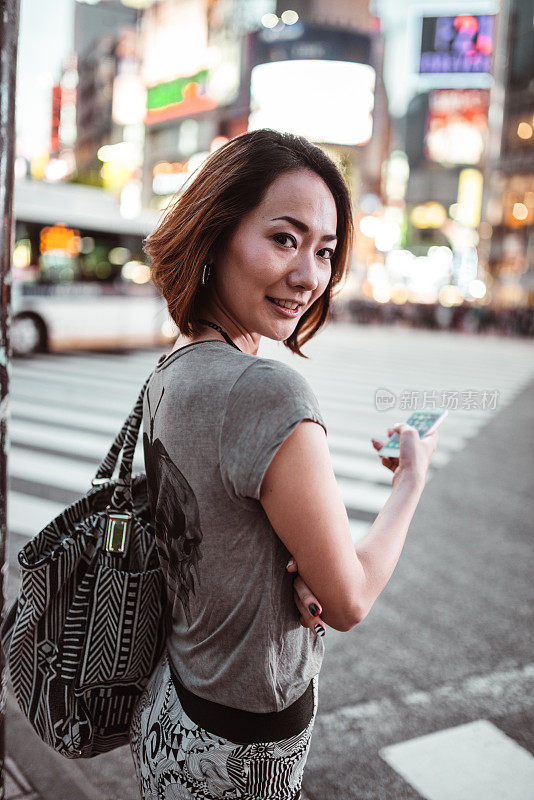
245	727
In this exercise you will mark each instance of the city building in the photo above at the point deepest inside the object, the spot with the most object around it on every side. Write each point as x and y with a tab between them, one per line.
214	70
507	233
439	71
105	35
194	65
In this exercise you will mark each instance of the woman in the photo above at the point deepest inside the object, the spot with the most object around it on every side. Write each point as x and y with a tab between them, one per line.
240	478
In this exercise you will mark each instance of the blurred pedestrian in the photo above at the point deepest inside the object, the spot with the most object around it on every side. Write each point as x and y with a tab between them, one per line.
443	316
238	488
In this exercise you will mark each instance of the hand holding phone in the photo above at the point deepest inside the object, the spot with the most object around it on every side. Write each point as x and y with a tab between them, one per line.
412	444
425	422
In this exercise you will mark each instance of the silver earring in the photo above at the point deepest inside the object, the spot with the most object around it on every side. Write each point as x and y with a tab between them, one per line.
206	274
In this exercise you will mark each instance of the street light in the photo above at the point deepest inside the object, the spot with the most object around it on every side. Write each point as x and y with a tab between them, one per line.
269	20
290	17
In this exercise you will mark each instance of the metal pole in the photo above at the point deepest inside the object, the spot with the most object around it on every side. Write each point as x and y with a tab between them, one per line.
9	28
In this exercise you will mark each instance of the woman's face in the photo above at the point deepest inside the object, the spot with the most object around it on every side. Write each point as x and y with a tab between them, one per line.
266	256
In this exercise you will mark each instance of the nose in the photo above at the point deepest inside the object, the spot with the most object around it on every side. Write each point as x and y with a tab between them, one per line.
304	272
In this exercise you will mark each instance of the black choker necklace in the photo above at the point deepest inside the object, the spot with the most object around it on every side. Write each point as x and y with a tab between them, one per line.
218	328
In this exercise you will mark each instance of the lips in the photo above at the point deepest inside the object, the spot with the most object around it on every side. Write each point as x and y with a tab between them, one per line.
285	300
288	313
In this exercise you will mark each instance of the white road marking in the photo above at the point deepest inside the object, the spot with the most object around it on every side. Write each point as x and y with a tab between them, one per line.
29	515
363	495
107	423
347	364
359	529
498	692
476	761
91	445
360	467
43	468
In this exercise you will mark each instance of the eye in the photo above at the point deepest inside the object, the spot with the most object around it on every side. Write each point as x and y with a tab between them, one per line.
328	250
278	236
284	236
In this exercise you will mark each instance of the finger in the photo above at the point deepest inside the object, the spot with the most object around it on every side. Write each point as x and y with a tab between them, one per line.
292	565
309	607
308	600
318	627
403	427
430	441
376	444
314	624
311	611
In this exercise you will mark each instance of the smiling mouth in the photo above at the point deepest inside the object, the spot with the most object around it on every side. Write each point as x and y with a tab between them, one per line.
277	303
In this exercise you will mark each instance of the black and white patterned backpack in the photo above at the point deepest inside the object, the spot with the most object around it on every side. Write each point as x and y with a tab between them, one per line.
90	620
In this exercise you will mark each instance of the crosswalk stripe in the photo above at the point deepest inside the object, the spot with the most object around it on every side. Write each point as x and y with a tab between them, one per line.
363	495
69	473
28	515
59	436
109	387
361	446
75	475
358	529
68	417
93	445
475	761
359	418
49	395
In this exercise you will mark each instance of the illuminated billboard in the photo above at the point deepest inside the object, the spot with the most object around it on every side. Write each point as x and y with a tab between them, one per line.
178	98
457	126
325	101
457	45
314	82
185	74
174	35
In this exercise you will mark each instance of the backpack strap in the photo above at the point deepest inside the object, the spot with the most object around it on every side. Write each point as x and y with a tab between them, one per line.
107	466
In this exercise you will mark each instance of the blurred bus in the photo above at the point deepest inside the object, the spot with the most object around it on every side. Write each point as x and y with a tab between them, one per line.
80	276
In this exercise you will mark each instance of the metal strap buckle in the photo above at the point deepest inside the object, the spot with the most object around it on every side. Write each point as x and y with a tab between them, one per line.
117	531
100	481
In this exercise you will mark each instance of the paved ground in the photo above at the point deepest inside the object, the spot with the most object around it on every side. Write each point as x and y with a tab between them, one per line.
447	647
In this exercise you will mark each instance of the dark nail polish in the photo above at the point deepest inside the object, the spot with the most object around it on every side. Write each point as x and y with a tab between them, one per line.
313	609
319	630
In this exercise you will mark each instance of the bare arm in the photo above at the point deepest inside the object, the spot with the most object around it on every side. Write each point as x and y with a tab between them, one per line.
379	551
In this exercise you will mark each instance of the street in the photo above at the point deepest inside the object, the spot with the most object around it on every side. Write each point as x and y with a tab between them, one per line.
444	657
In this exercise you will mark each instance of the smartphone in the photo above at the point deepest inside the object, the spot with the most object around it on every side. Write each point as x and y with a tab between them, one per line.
424	421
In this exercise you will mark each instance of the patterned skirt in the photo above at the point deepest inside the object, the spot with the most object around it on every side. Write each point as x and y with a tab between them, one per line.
175	759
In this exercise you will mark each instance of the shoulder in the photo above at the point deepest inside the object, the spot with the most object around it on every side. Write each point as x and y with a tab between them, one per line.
267	384
271	376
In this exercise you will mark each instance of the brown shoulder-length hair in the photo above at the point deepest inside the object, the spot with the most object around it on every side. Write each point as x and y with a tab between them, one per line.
231	182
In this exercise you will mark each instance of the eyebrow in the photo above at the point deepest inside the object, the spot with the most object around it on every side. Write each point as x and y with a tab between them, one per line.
304	228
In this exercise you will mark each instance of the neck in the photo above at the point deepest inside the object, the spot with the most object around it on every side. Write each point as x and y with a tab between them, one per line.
218	328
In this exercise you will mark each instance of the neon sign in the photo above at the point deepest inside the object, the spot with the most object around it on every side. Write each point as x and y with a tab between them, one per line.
461	44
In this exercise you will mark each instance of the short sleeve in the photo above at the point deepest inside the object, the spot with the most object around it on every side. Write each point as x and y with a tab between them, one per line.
265	405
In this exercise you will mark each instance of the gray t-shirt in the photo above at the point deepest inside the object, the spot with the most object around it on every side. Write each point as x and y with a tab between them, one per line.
213	419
